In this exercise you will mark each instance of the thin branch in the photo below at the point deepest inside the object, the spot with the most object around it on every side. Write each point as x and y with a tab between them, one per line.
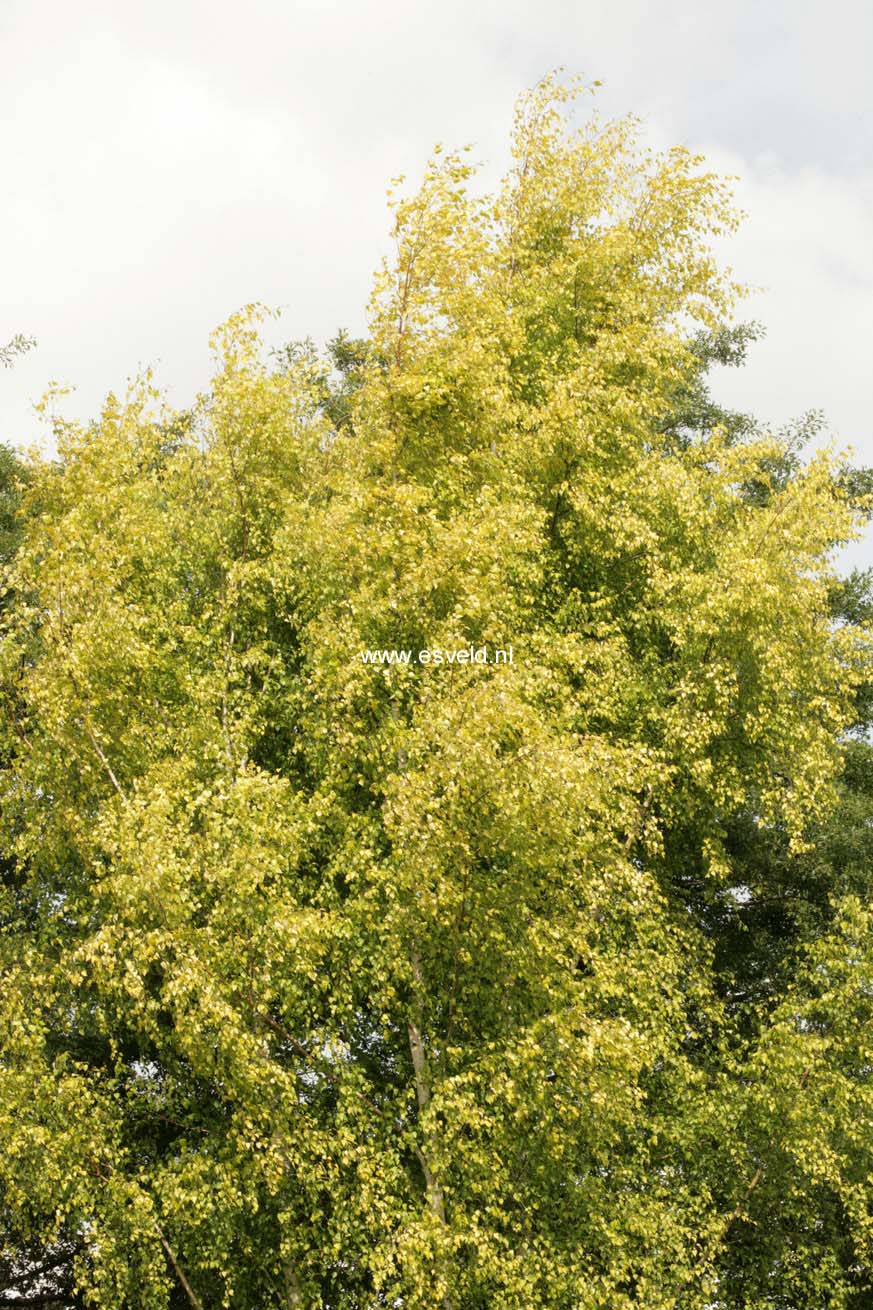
462	914
170	1253
38	1298
180	1273
98	749
301	1050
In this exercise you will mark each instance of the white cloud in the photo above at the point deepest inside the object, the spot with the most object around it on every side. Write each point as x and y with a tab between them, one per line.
807	242
164	163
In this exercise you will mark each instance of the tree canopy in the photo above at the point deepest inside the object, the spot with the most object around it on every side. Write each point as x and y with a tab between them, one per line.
548	983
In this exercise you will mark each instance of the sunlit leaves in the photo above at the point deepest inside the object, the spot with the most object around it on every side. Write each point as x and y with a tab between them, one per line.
337	984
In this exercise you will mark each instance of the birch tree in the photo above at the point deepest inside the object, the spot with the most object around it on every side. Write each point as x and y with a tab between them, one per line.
333	982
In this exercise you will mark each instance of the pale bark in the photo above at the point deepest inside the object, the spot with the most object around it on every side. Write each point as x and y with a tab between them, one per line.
420	1064
435	1200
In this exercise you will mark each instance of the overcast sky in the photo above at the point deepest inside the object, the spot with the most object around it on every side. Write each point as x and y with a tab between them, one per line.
164	163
